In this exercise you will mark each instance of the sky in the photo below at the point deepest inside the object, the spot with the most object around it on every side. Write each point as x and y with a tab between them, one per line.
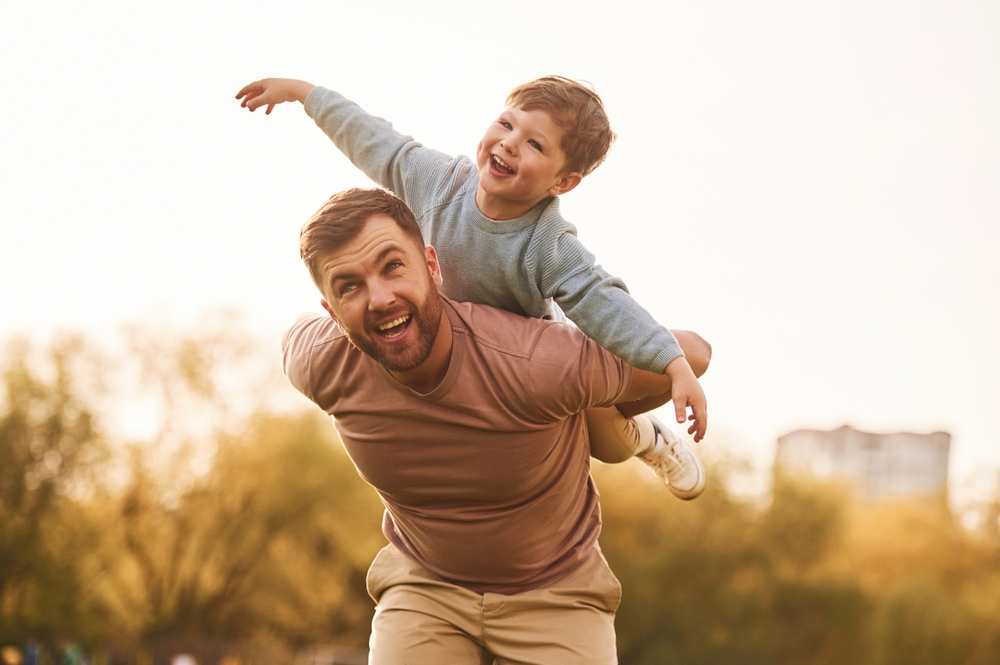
813	187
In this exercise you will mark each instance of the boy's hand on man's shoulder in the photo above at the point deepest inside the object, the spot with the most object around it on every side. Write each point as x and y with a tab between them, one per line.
685	391
271	92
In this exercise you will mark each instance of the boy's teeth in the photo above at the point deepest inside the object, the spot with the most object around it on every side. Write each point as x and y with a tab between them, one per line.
395	322
503	164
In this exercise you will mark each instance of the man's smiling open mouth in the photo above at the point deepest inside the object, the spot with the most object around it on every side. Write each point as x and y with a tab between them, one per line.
395	328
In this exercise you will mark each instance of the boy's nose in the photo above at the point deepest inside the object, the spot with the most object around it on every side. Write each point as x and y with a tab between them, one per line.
508	146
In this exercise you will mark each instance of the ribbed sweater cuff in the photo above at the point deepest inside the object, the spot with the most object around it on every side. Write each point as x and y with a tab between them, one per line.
664	358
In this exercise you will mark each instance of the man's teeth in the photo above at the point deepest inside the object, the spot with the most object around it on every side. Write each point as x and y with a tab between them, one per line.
395	322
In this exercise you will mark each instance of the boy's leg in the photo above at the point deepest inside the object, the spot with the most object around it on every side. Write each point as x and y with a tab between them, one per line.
615	438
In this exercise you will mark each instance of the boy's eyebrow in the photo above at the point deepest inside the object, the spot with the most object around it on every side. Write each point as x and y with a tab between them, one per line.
507	115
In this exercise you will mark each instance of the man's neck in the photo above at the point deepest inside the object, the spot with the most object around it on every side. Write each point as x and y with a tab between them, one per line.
428	375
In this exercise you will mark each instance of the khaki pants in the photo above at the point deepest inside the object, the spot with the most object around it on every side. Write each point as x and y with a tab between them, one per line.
422	620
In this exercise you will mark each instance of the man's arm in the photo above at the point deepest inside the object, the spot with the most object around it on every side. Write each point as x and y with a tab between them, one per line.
397	162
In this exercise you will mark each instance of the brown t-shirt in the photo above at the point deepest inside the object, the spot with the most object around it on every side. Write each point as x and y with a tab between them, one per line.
486	479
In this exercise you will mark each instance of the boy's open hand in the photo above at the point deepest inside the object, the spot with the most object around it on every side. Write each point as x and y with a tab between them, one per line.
271	92
685	391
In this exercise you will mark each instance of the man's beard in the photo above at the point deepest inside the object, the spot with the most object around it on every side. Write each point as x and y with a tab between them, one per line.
424	320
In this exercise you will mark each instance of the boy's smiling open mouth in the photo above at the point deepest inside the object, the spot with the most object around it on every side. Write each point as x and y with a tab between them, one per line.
501	167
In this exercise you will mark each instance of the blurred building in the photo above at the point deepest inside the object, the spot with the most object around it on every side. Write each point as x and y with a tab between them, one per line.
891	465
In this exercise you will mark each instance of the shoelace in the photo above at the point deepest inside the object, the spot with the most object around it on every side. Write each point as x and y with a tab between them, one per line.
672	451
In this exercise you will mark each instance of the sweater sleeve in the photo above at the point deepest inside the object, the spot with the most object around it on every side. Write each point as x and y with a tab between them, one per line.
397	162
600	304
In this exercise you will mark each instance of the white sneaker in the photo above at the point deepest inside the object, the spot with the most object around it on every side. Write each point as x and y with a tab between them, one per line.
674	461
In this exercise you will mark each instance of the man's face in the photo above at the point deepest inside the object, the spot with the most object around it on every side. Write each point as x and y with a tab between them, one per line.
520	158
382	290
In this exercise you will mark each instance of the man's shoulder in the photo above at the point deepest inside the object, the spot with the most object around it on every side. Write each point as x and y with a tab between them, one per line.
514	335
312	342
311	330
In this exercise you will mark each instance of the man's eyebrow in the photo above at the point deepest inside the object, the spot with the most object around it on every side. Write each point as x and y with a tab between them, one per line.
393	247
347	273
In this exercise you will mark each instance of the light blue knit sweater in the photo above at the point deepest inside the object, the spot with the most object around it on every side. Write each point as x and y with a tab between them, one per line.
520	264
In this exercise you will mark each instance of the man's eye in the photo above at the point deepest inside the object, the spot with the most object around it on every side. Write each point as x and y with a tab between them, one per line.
393	265
348	288
536	145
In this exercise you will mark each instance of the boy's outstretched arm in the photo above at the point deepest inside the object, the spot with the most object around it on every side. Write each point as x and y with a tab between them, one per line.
271	92
393	160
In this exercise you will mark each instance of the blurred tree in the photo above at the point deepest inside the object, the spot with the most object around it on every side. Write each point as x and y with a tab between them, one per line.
921	624
717	580
234	524
691	572
275	538
234	529
50	447
805	520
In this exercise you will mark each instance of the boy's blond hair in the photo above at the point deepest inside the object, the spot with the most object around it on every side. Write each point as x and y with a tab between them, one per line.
577	110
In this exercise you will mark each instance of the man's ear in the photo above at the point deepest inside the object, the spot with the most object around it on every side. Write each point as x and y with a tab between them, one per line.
329	310
433	267
565	183
333	315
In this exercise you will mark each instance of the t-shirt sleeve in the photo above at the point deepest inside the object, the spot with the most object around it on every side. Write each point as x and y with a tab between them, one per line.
570	372
395	161
298	347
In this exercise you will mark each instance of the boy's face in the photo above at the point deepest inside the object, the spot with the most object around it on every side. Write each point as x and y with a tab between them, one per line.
520	160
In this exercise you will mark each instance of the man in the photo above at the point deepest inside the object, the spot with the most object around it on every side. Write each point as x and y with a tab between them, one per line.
467	421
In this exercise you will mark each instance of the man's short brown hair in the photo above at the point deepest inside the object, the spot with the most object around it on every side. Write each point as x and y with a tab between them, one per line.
341	219
577	110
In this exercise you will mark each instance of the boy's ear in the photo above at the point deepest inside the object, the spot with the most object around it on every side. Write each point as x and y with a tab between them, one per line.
565	183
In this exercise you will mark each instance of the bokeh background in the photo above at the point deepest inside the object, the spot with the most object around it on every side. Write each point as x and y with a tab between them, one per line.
811	186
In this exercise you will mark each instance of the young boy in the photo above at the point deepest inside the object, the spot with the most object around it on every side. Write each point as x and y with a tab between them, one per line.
501	240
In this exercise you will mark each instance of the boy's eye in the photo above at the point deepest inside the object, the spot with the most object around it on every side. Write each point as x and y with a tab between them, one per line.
536	145
505	123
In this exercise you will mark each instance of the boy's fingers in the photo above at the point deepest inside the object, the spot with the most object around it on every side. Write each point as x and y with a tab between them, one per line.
701	419
680	408
245	89
270	107
256	102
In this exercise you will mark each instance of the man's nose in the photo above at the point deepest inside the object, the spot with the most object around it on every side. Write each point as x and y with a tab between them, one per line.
381	296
